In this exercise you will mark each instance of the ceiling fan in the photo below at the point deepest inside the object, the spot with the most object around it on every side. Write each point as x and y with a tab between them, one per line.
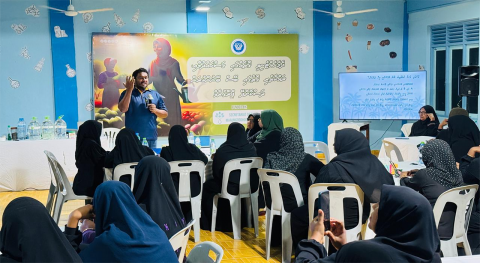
340	14
72	12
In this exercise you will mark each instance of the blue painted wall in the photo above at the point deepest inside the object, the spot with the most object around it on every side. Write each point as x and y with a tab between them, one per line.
422	5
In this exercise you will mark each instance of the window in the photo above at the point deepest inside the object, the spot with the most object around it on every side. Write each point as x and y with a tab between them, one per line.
453	45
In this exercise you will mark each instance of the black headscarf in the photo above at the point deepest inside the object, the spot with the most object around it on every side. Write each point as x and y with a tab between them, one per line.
426	127
127	149
89	131
255	131
440	163
354	161
124	232
179	149
155	193
29	234
463	135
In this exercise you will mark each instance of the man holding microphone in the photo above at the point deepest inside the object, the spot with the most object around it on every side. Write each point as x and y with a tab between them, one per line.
142	106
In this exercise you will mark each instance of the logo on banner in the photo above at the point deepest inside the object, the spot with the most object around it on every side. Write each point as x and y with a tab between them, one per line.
238	46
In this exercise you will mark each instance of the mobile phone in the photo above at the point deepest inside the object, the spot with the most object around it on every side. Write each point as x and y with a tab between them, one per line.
323	202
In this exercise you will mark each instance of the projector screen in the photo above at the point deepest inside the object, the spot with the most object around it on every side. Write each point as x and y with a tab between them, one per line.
382	95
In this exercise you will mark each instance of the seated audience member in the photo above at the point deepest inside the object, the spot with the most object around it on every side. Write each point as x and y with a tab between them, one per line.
89	159
470	168
128	149
236	146
253	128
440	175
29	234
291	157
443	133
463	134
353	164
428	124
124	232
156	195
405	232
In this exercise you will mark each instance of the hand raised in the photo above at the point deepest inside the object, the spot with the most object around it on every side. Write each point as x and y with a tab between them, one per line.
129	83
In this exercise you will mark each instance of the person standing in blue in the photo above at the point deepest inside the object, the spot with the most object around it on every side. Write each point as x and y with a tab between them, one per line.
142	106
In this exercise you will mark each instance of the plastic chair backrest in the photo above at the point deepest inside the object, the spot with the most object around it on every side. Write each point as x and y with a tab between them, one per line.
389	147
336	204
63	184
274	179
462	199
111	134
123	169
199	254
313	146
406	129
184	168
244	165
179	241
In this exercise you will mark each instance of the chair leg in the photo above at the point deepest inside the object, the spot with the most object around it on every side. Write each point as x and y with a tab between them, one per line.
58	207
466	245
196	215
248	206
268	233
236	212
286	238
214	213
254	201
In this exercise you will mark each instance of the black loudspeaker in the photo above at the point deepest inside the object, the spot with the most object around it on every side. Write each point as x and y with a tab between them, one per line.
468	81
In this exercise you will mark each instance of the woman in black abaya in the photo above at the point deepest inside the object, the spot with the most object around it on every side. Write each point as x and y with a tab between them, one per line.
428	124
29	234
253	128
463	134
236	146
156	195
127	149
405	232
89	159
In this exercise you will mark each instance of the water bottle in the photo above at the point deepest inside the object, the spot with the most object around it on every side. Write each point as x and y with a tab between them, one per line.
60	128
34	129
144	142
138	136
9	133
22	129
47	129
191	138
213	148
197	142
420	147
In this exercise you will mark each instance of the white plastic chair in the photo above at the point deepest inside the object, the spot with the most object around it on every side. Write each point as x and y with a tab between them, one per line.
389	147
244	165
406	129
274	179
179	241
184	168
125	169
64	189
312	147
199	254
111	134
462	197
336	205
52	192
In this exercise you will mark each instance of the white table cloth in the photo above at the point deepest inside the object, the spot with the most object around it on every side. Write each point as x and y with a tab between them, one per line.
407	146
23	165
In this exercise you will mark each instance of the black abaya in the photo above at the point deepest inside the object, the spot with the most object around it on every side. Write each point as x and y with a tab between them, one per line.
470	169
89	159
236	146
463	134
29	234
155	193
426	127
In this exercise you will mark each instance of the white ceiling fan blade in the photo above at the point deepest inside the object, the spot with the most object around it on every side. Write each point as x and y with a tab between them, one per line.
326	12
60	10
95	10
361	11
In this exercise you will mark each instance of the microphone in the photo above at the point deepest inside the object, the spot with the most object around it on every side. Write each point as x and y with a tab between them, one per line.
150	99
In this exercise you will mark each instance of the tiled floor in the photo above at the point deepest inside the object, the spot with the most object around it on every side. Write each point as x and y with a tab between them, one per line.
249	249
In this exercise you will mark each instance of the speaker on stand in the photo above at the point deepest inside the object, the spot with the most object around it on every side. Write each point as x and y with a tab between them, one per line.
468	81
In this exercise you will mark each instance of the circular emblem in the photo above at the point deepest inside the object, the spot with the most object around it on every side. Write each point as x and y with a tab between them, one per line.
238	46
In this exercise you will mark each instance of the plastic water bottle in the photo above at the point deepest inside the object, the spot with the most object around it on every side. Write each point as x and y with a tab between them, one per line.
60	128
22	129
213	148
191	138
420	147
47	129
9	134
144	142
34	129
197	142
138	136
